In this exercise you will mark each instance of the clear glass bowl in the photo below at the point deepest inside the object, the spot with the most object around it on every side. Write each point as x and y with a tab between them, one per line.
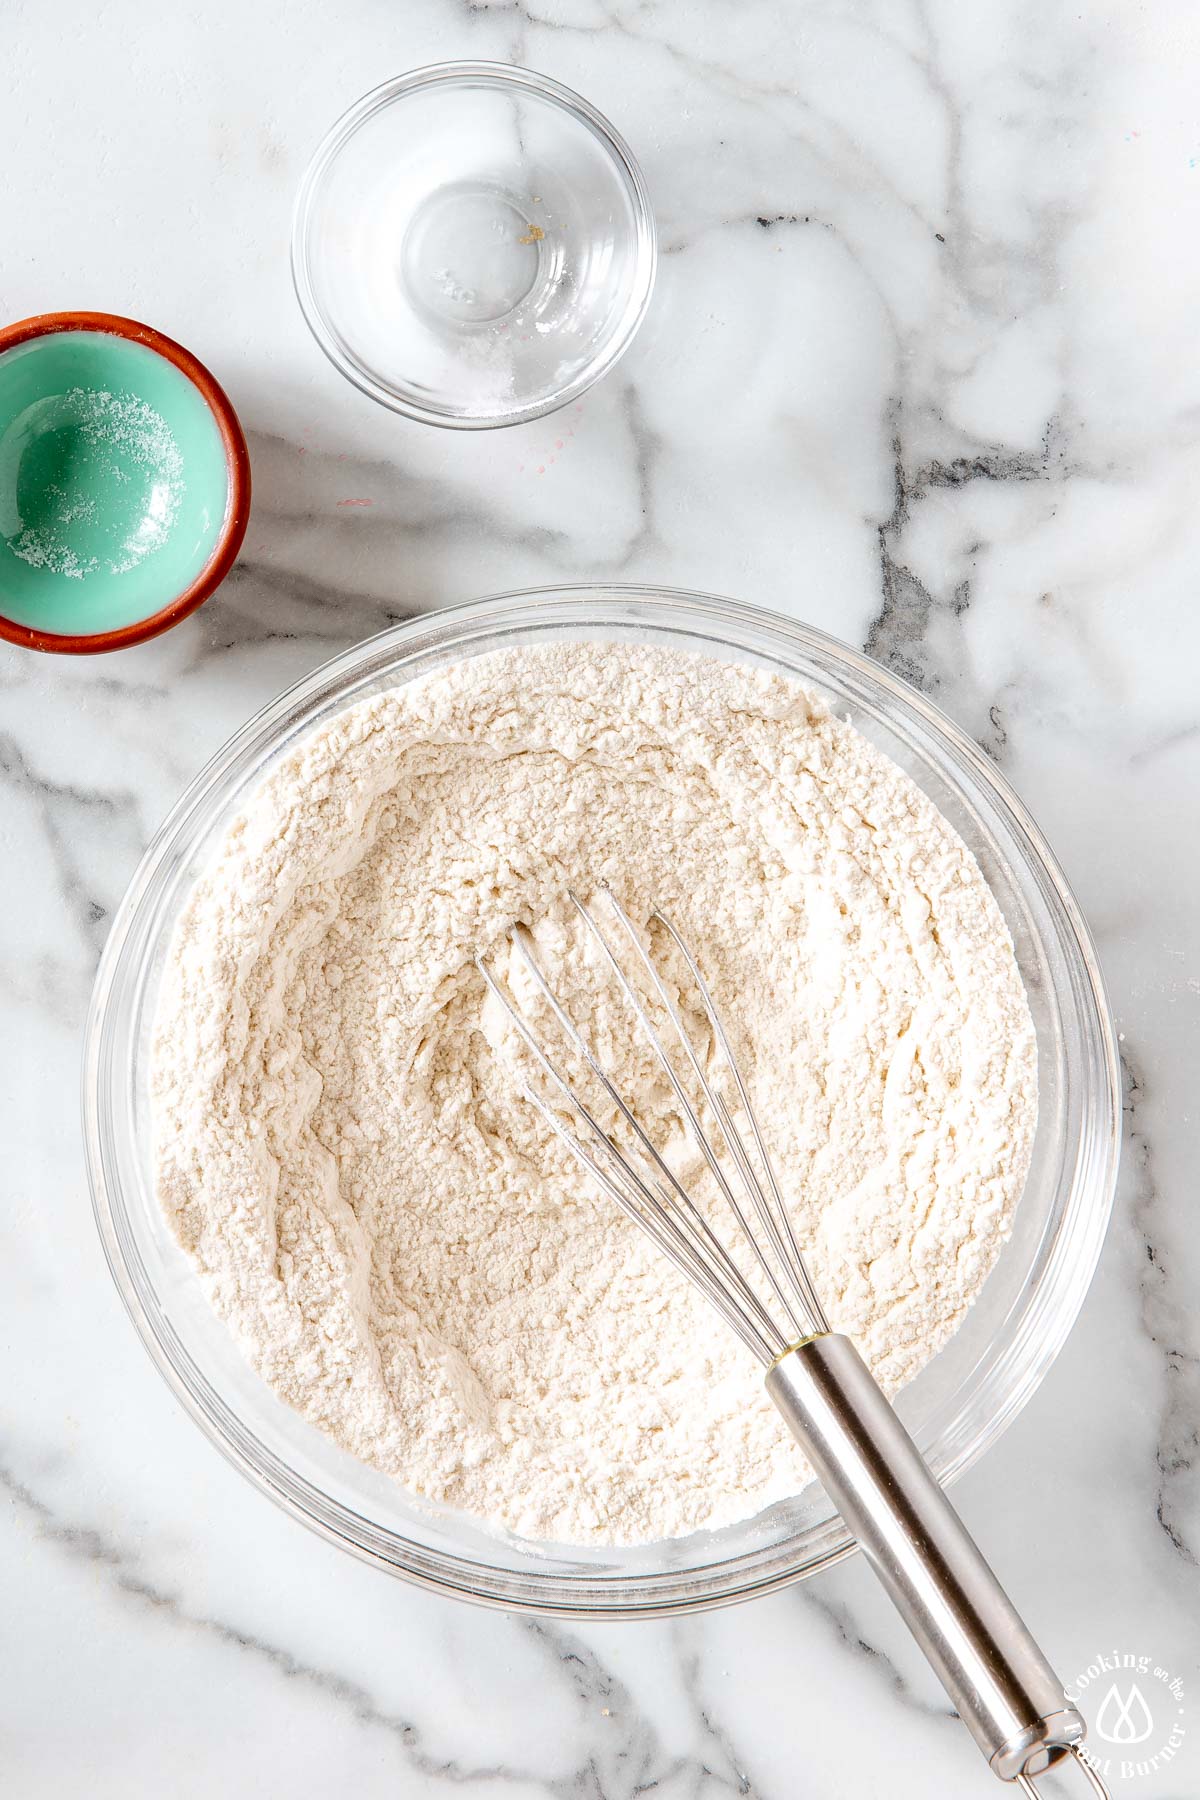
956	1408
473	245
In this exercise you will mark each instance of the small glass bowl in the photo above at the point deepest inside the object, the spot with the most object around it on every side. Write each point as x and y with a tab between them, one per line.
473	245
958	1405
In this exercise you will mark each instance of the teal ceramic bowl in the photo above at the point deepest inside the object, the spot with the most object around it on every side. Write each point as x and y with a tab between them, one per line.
124	483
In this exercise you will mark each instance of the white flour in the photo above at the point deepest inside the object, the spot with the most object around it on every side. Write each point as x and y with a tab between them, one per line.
402	1249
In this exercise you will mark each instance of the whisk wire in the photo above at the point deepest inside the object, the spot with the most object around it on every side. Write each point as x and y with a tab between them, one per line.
637	1176
669	1188
811	1318
700	1255
646	1218
689	1113
776	1219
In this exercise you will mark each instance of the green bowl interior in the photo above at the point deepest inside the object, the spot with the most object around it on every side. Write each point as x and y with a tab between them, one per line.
114	483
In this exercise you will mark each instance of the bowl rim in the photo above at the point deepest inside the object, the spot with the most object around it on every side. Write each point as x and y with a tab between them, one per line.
471	73
237	499
1050	1315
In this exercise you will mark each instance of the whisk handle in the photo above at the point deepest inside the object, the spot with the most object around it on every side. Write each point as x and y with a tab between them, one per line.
1001	1685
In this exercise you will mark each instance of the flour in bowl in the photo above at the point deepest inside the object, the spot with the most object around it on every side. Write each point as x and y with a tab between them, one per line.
397	1241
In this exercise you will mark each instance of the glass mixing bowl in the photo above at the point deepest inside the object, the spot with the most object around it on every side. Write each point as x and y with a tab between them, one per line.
956	1408
473	245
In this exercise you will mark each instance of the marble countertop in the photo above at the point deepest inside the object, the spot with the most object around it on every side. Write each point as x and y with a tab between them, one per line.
921	368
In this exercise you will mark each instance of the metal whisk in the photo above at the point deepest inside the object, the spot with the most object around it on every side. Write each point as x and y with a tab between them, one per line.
999	1682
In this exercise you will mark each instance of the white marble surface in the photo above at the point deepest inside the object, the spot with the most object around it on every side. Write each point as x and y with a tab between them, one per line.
922	369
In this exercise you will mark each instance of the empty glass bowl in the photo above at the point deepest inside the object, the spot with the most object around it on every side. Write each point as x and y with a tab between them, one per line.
473	245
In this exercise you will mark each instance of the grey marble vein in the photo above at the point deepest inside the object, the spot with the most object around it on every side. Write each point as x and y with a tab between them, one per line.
881	1666
1170	1319
617	1762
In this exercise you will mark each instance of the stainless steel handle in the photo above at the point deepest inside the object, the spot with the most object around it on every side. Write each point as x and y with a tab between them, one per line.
1001	1685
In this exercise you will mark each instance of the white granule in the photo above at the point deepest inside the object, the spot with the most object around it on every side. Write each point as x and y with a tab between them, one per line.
112	437
400	1246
